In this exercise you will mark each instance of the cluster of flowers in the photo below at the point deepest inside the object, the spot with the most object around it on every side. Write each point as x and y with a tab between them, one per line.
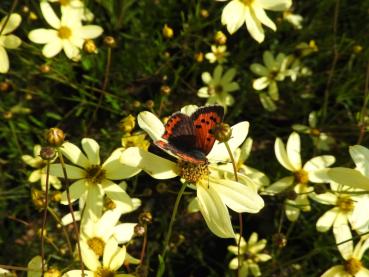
67	33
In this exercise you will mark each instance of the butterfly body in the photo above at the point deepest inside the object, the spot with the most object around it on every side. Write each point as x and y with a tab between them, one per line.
190	138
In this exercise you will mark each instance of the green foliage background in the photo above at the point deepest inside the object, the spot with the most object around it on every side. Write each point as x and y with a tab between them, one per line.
71	97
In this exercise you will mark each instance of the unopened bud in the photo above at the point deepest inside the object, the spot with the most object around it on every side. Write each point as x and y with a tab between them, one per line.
161	187
45	68
127	124
199	57
56	196
204	13
167	31
150	104
38	198
55	137
136	104
8	115
47	153
110	41
220	38
139	230
280	240
145	218
222	132
5	86
89	46
165	90
357	49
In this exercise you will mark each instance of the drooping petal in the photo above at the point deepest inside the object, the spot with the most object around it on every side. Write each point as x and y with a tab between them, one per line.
75	190
12	23
73	172
11	42
237	196
49	15
214	212
280	185
253	25
4	60
325	222
239	133
360	156
342	233
43	36
233	16
293	150
276	5
281	154
319	162
157	167
151	125
74	154
262	16
115	170
117	194
349	177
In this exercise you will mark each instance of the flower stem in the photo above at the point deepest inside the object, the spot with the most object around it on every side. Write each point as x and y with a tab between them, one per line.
239	215
167	238
144	244
46	204
71	208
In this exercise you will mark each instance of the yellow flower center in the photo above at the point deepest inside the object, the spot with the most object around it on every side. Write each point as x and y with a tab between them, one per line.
64	2
302	176
352	266
315	132
193	173
104	272
95	174
247	2
64	32
97	245
345	204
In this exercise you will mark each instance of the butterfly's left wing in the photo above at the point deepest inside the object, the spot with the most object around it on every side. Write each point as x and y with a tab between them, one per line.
204	120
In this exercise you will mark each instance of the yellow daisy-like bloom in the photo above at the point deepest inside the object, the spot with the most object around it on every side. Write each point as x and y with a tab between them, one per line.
7	40
218	54
40	173
93	179
68	33
214	194
352	266
252	12
249	255
76	5
289	157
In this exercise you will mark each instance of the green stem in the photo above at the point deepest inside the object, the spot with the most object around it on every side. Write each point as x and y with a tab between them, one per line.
45	218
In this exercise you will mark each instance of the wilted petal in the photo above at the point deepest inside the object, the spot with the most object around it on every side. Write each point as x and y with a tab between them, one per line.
157	167
214	212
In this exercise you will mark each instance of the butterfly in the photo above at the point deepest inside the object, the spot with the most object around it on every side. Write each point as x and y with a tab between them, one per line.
190	138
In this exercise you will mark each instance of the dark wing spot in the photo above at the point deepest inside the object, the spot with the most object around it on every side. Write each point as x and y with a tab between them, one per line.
202	120
208	139
207	122
198	126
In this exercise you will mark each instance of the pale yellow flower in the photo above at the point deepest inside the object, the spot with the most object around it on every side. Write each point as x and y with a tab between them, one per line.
39	174
218	54
250	255
252	12
68	33
8	40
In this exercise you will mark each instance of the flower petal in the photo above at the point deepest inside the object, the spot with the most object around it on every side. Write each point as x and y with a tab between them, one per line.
53	48
90	31
260	83
157	167
75	191
214	212
319	162
335	271
276	5
74	154
94	203
117	194
71	51
43	36
281	154
292	212
115	170
78	273
239	133
360	156
293	150
280	185
90	259
11	42
262	16
12	23
233	16
253	25
4	60
342	233
151	125
124	232
259	69
236	196
73	172
325	222
49	15
92	150
104	227
349	177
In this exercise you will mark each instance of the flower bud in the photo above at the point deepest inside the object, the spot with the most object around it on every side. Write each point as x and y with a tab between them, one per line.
204	13
199	57
150	104
110	41
222	132
139	230
8	115
280	240
127	124
357	49
45	68
165	90
161	187
47	153
56	196
220	38
167	31
5	86
38	198
89	46
136	104
145	218
55	137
